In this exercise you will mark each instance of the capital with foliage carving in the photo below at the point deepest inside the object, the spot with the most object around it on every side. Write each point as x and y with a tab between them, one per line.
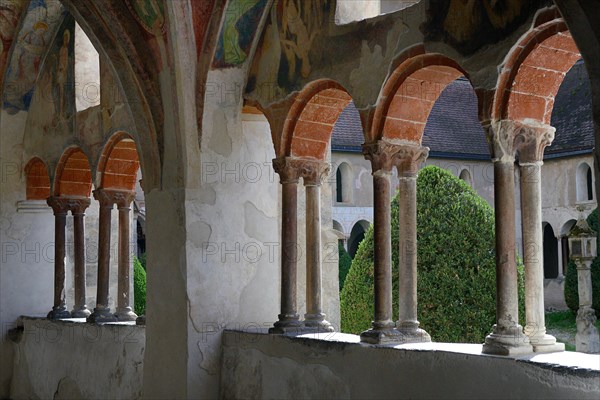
531	140
78	205
385	155
409	159
59	205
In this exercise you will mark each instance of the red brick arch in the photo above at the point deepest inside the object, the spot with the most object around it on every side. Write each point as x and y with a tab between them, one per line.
73	174
409	94
37	180
119	163
310	120
533	73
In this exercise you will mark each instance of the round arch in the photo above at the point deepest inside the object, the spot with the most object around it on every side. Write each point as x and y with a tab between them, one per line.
119	163
357	235
310	120
550	251
409	94
73	174
584	181
37	180
533	71
465	175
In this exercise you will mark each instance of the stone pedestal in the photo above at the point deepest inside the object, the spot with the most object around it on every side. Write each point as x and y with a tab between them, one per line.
507	337
586	339
383	330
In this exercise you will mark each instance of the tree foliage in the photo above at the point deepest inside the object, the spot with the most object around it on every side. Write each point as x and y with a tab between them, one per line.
139	287
344	262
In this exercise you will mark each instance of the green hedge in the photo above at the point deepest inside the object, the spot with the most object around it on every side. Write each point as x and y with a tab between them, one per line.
571	290
139	287
456	264
344	262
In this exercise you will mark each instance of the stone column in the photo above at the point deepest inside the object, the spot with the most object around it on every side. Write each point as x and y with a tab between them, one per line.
586	339
289	320
409	159
531	140
561	272
124	311
102	311
507	337
383	331
78	207
313	173
60	209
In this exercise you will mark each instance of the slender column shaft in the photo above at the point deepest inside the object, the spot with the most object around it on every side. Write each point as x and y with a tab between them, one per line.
80	309
507	314
60	220
407	268
561	271
531	216
288	319
124	311
102	311
382	255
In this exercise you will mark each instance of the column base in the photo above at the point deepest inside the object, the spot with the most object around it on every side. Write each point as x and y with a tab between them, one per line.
101	316
382	333
545	344
80	312
287	324
317	323
141	320
507	342
125	314
411	333
59	313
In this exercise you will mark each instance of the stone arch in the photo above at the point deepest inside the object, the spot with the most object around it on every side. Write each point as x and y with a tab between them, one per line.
584	182
357	235
465	175
37	180
533	72
73	174
550	250
409	94
309	123
119	163
343	183
338	227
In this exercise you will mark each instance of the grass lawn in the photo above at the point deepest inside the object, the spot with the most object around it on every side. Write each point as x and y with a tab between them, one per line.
562	325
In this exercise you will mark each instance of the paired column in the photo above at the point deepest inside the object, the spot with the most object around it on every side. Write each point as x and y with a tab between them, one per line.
289	320
507	337
409	158
107	199
532	140
383	330
78	207
313	173
60	208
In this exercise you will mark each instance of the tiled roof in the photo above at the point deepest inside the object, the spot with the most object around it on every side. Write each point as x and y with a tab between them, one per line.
572	114
453	129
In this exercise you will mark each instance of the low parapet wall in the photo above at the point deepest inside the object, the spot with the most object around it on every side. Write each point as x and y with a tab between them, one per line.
77	360
261	366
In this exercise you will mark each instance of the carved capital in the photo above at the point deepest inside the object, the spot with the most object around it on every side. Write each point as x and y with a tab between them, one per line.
409	159
385	155
506	137
79	205
59	205
313	172
110	197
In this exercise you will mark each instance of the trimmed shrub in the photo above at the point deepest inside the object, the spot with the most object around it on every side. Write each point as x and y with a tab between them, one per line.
456	264
571	289
344	262
139	287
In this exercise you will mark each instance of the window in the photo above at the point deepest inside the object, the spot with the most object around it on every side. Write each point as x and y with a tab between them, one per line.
343	183
584	183
465	175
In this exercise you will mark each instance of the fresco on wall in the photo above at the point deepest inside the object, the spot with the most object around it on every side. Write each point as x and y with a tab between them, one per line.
150	14
284	54
39	27
61	65
237	34
468	25
10	13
